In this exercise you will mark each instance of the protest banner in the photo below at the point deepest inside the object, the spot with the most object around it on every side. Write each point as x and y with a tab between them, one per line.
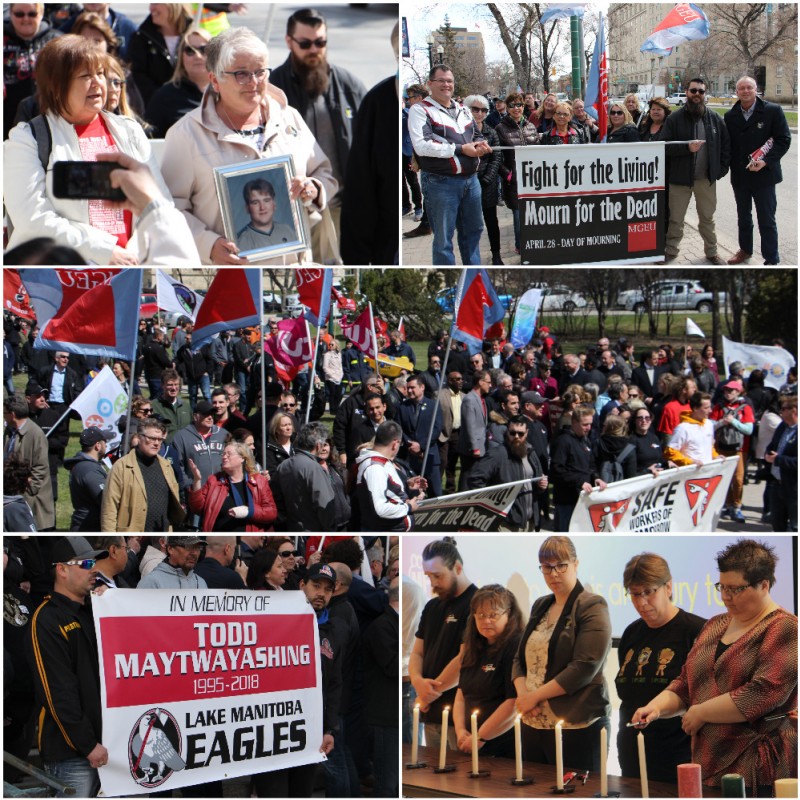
102	403
676	500
197	686
774	361
591	203
475	510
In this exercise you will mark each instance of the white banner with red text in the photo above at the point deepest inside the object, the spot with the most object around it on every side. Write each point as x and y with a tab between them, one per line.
474	510
198	686
676	500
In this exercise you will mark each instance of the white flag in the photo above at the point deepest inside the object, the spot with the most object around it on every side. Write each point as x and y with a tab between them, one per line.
102	403
174	296
693	329
775	361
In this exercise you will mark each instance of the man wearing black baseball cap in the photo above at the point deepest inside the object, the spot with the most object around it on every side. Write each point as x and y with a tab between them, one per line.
176	571
299	781
63	651
87	479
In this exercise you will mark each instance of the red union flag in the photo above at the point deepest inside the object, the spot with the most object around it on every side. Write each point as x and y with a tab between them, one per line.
314	286
291	345
359	332
15	297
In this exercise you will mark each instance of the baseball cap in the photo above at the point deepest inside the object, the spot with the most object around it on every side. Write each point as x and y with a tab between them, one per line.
734	384
184	541
532	397
204	407
67	548
93	435
544	329
321	572
33	388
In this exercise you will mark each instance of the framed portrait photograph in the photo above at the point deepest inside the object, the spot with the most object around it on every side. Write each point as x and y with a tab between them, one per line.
257	212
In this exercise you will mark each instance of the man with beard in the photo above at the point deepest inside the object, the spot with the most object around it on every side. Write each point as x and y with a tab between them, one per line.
176	571
434	664
327	96
513	460
698	159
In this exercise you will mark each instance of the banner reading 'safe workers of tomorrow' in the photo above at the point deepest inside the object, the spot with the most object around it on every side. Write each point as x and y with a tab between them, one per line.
475	510
591	203
677	500
198	686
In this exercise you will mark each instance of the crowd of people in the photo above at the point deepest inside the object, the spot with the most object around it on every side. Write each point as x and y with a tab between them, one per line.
551	670
90	85
452	144
563	422
355	595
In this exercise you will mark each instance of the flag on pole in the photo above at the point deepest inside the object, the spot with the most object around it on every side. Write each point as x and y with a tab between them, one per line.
525	317
175	297
685	23
291	347
86	311
562	11
596	102
15	298
344	303
233	301
314	285
477	308
693	329
775	361
401	329
359	332
101	404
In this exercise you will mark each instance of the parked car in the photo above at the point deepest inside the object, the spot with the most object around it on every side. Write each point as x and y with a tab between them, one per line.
677	98
561	298
272	302
680	295
445	298
148	305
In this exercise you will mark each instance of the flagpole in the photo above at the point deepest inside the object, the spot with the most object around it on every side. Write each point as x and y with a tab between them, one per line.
438	398
374	338
263	367
126	441
313	367
58	422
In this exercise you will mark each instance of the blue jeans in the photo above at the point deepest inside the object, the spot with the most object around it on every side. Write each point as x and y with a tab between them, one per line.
384	761
562	518
75	772
154	386
204	384
341	777
766	205
241	380
454	206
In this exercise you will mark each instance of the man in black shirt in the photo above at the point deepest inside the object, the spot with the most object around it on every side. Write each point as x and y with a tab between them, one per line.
215	568
433	666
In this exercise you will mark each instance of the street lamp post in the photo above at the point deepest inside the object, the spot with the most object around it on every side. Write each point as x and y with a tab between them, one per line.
429	40
440	52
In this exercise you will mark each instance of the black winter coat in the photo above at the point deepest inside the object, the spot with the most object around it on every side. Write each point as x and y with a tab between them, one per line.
489	167
627	133
87	481
513	135
152	63
609	449
746	136
679	127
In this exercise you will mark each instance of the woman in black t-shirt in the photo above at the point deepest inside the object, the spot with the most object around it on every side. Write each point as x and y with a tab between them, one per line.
652	652
490	641
649	453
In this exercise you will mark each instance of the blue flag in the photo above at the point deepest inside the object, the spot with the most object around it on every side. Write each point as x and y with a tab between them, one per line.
563	10
596	102
525	318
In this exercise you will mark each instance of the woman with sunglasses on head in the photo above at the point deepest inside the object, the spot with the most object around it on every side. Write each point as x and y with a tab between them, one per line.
514	130
652	652
241	117
184	91
491	640
487	172
737	692
620	125
558	670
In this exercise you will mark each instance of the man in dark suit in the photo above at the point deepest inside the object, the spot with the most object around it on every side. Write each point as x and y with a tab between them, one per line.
752	123
573	373
62	382
646	376
782	455
417	415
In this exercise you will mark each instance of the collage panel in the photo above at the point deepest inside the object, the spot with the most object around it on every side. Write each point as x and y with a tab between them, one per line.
672	122
603	667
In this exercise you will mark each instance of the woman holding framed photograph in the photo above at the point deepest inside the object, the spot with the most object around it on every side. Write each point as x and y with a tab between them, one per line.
241	118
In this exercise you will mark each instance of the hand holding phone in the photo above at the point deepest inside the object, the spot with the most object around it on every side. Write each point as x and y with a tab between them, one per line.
85	180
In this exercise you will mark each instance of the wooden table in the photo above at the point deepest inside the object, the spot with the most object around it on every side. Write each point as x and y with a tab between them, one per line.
426	783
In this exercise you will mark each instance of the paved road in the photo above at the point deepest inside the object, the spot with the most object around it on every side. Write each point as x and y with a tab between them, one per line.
359	38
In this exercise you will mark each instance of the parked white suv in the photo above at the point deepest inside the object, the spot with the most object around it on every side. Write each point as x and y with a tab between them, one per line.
677	99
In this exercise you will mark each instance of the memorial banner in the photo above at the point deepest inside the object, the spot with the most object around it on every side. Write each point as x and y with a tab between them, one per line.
591	203
688	499
198	686
474	510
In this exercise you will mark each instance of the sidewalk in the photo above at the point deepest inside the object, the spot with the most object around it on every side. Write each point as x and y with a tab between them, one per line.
417	252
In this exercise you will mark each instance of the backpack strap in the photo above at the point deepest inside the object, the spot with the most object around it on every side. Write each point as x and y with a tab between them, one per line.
40	128
624	453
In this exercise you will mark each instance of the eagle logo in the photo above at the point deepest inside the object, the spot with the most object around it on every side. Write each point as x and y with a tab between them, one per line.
606	517
699	493
154	748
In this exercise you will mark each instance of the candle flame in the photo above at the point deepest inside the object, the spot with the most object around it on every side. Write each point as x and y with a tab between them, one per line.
475	712
519	716
447	708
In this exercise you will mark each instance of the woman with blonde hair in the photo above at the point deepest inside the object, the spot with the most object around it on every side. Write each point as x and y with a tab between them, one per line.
632	104
281	431
620	125
153	51
235	500
562	131
184	92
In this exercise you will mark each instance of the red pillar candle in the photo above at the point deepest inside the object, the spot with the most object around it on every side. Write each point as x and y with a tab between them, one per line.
689	783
